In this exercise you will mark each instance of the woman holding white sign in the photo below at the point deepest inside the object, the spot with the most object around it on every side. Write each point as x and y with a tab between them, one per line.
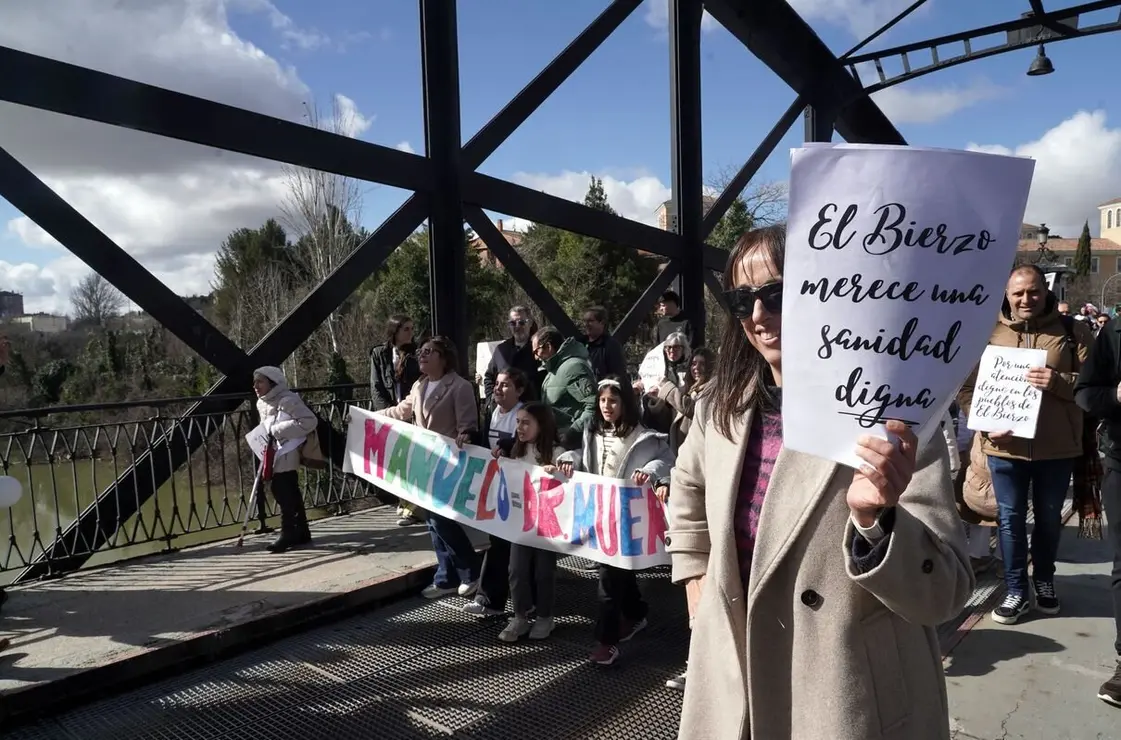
287	421
815	589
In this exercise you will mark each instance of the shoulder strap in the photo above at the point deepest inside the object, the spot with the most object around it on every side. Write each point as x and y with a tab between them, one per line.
1072	342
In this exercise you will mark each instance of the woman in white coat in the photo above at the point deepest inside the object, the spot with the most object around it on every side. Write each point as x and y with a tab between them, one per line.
285	418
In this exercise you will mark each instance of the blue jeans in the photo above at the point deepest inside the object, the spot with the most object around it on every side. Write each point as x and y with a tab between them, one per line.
456	560
1046	482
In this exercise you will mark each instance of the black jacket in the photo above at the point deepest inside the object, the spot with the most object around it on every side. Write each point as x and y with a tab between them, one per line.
606	356
1096	389
383	379
507	355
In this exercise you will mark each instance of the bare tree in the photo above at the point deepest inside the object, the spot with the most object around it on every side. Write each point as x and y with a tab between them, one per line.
95	300
765	201
321	210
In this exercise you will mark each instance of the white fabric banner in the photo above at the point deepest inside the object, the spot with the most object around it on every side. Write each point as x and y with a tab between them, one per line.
603	519
896	262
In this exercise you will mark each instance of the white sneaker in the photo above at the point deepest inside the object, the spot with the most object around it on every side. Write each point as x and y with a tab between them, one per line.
542	628
677	682
468	589
517	628
432	591
479	609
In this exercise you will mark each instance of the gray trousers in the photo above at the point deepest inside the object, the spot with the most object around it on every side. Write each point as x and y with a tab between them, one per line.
529	568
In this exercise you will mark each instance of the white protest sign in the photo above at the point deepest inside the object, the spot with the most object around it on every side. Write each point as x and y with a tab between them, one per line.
483	352
1003	400
652	371
896	261
258	440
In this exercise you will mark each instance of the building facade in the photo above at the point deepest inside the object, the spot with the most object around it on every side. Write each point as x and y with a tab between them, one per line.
11	305
42	323
1102	286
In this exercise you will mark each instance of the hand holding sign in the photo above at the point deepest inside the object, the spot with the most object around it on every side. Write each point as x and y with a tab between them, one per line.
885	474
1042	378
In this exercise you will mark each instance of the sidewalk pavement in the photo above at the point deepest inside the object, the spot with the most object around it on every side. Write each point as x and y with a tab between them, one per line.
1039	679
108	628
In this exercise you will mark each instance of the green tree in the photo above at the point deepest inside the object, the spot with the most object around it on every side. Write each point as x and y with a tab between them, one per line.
732	225
586	270
241	258
1082	255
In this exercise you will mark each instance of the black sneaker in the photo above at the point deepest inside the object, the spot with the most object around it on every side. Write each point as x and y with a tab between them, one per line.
1011	609
1110	691
1045	599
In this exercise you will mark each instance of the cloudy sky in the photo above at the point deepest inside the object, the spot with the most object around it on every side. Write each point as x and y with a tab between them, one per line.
171	204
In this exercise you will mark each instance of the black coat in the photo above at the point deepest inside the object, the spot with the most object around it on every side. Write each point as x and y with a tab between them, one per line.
1096	389
383	377
505	355
606	356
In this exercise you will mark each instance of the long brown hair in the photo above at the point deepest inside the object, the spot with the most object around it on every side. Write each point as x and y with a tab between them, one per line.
547	436
743	378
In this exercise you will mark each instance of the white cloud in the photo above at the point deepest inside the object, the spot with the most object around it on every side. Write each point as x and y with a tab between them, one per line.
168	203
350	121
657	16
904	104
637	199
1078	166
860	17
307	39
405	146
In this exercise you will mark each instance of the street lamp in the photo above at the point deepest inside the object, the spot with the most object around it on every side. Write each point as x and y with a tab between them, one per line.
1041	65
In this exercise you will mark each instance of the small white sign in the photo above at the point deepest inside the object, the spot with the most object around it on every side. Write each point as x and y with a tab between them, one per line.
896	262
1003	400
258	440
483	352
652	371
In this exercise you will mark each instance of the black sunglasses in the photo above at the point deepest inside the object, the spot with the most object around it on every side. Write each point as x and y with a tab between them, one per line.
741	301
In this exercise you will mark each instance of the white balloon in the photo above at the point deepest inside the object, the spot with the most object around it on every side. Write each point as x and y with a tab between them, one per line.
10	491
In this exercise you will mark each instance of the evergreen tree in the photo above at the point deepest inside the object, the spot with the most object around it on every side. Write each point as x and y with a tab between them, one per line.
732	225
1082	256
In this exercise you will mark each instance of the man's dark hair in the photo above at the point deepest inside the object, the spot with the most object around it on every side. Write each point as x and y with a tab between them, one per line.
671	296
600	312
551	336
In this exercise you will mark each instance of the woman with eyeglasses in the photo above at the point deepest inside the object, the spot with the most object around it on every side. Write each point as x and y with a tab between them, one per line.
815	589
393	371
443	402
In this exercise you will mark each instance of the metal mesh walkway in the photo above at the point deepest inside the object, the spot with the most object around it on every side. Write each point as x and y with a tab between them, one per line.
416	669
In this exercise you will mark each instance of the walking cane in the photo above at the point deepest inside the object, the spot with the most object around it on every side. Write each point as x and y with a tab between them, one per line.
249	506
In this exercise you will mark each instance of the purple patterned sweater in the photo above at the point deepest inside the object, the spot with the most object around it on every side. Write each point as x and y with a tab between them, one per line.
763	445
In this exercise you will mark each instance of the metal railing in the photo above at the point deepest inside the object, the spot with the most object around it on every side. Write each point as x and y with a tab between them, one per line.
66	456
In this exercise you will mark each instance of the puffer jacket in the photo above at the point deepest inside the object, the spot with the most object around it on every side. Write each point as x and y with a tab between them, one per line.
570	386
285	416
1059	430
650	453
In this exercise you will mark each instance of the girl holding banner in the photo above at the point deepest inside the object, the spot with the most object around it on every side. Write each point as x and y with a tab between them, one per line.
815	588
616	445
533	571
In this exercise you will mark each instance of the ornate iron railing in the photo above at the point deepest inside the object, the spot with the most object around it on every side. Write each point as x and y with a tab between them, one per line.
65	457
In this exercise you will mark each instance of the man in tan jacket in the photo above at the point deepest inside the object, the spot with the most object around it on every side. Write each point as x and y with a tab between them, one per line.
1041	467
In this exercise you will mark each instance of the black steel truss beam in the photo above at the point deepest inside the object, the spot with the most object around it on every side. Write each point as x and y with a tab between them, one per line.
124	497
819	125
733	189
645	303
687	177
20	187
514	114
712	282
778	36
46	84
1043	27
516	267
447	244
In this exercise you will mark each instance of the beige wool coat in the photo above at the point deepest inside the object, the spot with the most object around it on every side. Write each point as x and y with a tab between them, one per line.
450	409
814	650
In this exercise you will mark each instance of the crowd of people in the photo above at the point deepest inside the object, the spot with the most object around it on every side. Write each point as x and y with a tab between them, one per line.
814	590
